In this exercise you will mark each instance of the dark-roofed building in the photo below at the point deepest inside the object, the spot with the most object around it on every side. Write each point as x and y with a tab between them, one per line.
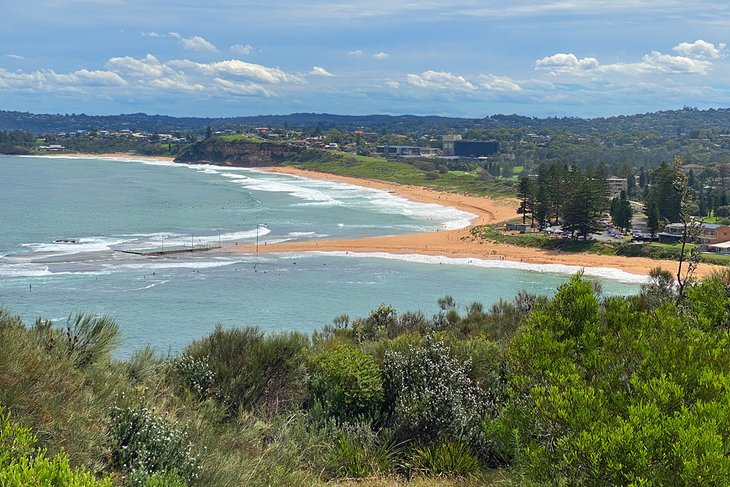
473	149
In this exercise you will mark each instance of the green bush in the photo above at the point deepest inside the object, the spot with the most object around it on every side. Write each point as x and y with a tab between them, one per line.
22	463
429	397
356	451
195	374
347	383
614	393
381	323
86	339
450	459
143	444
252	370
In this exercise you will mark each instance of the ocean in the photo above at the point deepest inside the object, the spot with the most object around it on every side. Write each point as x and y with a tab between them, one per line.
66	222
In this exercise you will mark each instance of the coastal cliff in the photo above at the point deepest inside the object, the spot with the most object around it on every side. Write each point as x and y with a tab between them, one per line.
243	153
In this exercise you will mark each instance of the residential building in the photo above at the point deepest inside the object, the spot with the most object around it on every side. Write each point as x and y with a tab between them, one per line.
398	150
710	233
448	144
616	185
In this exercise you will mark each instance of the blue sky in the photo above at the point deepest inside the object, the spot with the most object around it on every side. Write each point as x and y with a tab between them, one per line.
432	57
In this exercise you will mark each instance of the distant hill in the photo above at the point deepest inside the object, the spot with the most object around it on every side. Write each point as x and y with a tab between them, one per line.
667	123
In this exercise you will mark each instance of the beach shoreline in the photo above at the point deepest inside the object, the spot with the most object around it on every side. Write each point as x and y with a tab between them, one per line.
459	243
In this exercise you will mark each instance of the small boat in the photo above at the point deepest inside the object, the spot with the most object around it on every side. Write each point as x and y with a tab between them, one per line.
66	240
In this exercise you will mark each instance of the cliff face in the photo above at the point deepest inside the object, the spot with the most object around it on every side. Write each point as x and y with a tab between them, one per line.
238	153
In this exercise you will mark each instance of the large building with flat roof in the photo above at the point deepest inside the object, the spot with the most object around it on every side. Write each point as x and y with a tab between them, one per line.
473	149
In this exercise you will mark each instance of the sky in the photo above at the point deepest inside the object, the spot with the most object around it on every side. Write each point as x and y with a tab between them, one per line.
464	58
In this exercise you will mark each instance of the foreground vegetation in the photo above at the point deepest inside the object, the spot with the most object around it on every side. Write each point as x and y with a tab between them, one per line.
577	389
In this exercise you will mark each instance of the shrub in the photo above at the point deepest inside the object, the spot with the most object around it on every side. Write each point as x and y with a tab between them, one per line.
382	322
143	444
195	374
450	458
251	370
87	339
356	451
347	383
429	396
21	463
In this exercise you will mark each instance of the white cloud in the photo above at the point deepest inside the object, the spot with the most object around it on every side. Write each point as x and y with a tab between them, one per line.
52	81
195	43
380	56
393	84
91	78
242	88
560	63
15	56
498	83
441	80
243	49
654	62
147	67
235	67
700	49
151	34
665	63
355	53
319	71
176	82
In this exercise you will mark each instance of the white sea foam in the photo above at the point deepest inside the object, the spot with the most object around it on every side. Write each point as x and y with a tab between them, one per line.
170	264
333	193
321	193
601	272
82	244
24	270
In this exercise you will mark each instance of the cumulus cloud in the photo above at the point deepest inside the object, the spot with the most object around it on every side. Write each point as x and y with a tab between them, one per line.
242	88
665	63
393	84
355	53
654	62
243	49
195	43
440	80
700	49
235	67
147	67
15	56
381	55
90	78
319	71
176	82
52	81
560	63
152	34
498	83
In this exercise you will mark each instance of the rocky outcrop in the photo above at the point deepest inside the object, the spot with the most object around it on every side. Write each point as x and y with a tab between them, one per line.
238	153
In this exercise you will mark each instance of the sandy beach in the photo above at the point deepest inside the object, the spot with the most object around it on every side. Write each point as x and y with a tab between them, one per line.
448	243
457	243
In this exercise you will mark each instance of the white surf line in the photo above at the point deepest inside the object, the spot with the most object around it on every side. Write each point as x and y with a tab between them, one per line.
601	272
460	219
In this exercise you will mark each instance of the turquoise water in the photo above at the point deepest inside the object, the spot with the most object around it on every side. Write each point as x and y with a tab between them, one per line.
105	206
